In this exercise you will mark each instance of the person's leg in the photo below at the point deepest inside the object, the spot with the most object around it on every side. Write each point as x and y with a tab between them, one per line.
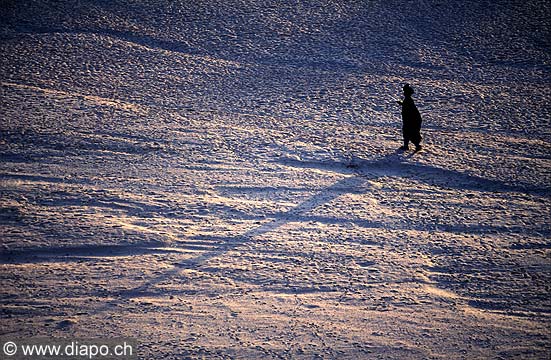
406	139
417	141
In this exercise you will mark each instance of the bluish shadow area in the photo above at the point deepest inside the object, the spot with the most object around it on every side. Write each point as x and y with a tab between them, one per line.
393	165
42	178
79	253
39	145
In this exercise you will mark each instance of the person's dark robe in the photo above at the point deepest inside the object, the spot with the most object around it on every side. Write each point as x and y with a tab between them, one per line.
411	118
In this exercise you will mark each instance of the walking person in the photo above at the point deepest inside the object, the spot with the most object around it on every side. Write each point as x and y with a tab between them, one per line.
411	120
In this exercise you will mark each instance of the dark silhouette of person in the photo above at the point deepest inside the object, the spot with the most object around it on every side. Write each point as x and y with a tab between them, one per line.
411	120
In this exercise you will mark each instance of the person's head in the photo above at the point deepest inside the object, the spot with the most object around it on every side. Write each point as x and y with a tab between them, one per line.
408	90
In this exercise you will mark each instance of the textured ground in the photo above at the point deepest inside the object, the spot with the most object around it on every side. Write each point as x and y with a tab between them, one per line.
220	180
